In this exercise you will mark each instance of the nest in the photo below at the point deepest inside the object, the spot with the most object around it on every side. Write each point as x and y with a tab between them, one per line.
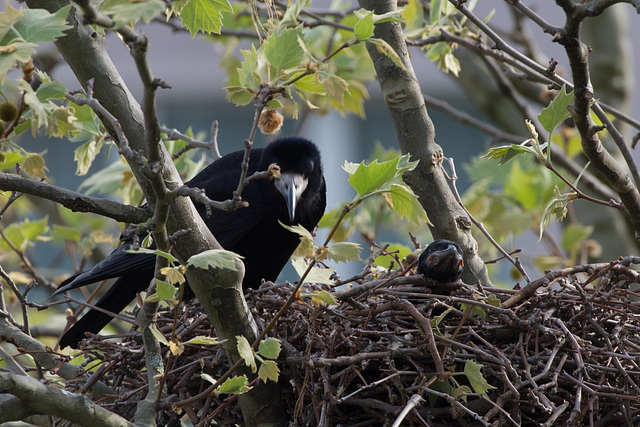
406	349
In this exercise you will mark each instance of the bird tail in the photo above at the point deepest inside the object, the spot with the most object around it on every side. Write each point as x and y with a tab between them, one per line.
121	293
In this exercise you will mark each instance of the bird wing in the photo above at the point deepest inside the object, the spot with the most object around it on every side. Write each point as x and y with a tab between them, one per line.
219	180
118	263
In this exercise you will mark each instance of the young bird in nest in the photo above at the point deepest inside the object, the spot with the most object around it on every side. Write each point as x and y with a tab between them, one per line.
441	261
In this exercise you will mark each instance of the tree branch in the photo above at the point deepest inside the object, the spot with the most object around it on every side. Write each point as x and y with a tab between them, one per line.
76	202
52	400
583	96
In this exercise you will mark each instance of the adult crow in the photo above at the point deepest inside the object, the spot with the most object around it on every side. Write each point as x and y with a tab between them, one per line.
441	261
297	197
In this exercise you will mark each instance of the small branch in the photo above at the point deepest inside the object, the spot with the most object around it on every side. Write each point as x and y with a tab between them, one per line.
587	179
426	328
415	401
452	181
593	269
212	145
454	402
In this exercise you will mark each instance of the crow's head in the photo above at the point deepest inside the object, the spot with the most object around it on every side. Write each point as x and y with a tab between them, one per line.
441	261
300	168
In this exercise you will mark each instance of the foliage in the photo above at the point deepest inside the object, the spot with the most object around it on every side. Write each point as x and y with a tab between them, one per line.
299	60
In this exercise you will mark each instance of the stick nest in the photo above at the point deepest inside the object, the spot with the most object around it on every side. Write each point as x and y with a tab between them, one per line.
567	353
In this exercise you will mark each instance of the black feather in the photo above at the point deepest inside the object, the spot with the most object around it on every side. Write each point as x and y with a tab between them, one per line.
253	232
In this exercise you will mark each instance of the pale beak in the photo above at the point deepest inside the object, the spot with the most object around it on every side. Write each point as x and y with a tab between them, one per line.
291	186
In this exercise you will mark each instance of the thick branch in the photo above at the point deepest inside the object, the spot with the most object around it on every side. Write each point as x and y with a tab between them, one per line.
48	361
53	400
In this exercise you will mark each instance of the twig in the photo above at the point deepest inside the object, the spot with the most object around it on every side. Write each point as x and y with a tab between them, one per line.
452	183
415	401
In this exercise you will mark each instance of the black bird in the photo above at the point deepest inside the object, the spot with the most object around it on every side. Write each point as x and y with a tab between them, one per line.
297	197
441	261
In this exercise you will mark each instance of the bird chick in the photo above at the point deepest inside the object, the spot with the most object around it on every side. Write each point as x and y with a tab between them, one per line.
441	261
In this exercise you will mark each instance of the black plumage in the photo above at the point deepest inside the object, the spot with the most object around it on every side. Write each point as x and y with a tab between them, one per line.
442	261
297	197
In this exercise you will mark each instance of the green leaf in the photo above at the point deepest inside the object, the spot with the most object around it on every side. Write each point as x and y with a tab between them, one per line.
292	12
311	84
252	71
84	156
22	234
274	104
283	50
413	15
40	26
406	203
62	123
320	298
239	95
316	275
214	258
204	15
34	165
15	53
269	371
367	178
474	310
165	290
505	153
204	340
531	186
437	9
158	335
245	351
299	230
174	275
336	88
235	385
306	248
66	233
556	207
344	251
557	110
8	19
363	29
269	348
38	108
477	381
156	252
51	90
574	235
461	392
124	13
385	48
147	241
393	16
208	378
435	322
450	64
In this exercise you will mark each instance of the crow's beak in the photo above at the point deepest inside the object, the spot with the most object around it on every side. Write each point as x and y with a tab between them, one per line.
291	186
450	252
